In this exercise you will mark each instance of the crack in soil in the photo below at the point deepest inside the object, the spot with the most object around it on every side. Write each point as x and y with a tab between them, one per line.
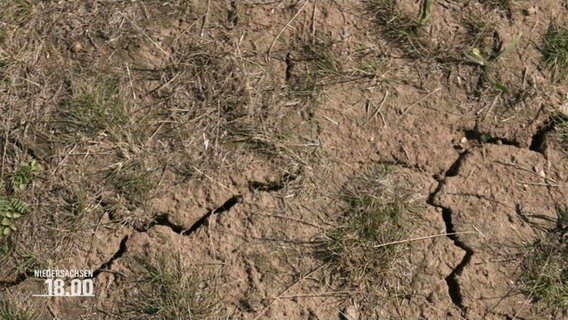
487	138
159	220
538	141
272	185
108	265
32	151
454	289
540	137
21	277
163	220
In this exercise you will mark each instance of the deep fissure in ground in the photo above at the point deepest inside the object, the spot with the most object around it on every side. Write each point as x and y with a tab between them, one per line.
454	289
163	219
108	265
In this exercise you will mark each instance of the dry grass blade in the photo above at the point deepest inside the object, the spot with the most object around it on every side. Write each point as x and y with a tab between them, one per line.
424	238
419	101
284	29
261	312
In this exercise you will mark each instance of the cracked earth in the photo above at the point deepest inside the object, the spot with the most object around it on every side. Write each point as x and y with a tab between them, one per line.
479	168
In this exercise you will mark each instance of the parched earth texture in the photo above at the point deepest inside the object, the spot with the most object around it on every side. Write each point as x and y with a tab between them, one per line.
476	159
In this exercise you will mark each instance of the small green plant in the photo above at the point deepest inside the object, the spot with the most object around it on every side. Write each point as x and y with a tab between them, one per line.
555	50
23	176
374	215
544	270
425	12
10	211
476	57
12	208
171	290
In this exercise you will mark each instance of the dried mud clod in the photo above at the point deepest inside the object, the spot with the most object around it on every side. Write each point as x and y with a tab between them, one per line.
483	207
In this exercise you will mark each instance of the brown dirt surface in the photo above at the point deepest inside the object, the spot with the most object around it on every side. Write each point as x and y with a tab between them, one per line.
296	159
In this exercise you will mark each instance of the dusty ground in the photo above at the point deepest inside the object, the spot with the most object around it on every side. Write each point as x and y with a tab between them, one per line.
221	137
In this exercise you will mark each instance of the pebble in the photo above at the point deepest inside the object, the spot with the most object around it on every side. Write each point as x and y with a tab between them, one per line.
76	47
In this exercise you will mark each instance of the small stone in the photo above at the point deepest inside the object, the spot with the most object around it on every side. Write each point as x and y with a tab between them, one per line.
529	11
76	47
349	313
564	109
463	140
